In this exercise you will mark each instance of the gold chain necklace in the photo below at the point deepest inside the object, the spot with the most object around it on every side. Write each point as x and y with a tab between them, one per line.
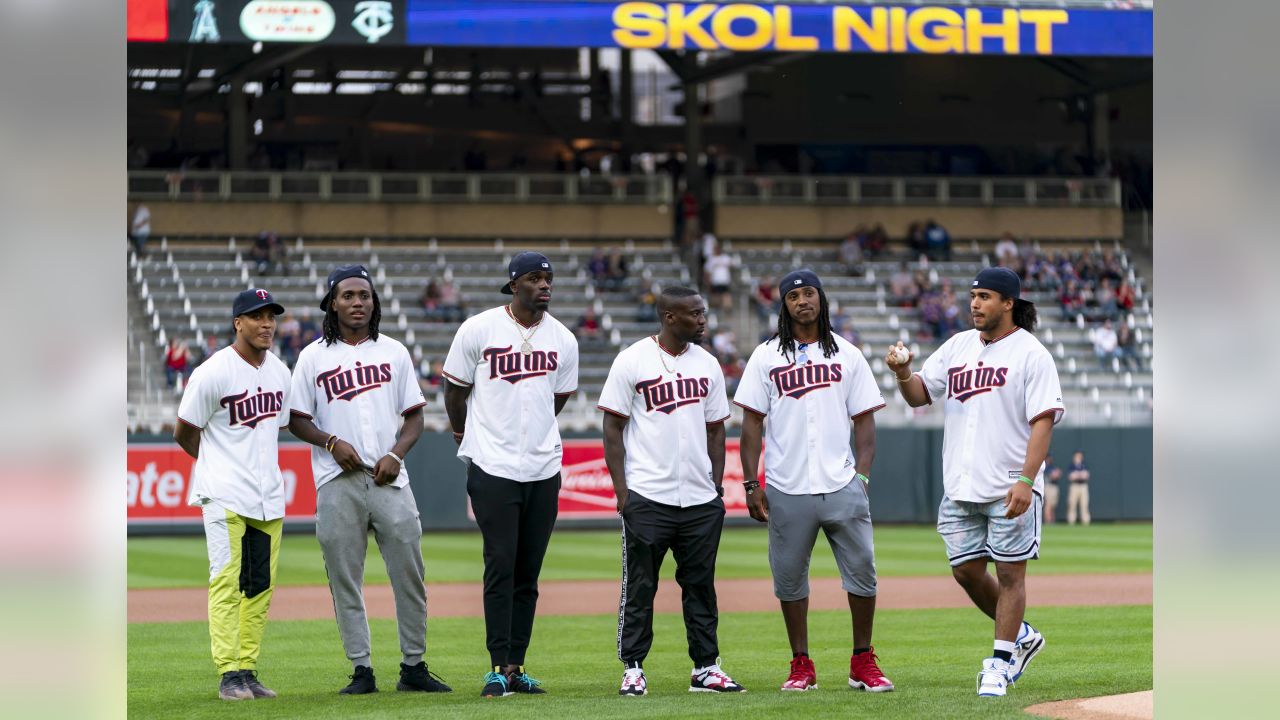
526	349
661	359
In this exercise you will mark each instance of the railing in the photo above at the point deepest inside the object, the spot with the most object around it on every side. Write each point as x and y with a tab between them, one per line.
928	190
625	189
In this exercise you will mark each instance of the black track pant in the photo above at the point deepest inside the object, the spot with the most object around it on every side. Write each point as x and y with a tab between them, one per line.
516	520
692	534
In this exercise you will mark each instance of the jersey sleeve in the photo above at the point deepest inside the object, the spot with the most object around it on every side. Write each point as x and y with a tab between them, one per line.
619	388
1043	392
567	372
863	394
934	370
302	389
716	407
753	386
464	355
409	391
200	398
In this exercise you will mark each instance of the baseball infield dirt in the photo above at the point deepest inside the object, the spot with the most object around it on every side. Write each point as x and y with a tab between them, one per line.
1130	706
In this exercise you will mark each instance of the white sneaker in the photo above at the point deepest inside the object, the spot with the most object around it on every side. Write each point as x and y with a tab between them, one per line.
1029	643
994	678
712	679
633	683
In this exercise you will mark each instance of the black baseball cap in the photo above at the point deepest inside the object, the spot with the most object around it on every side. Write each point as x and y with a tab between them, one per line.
254	299
1002	280
337	275
525	262
799	278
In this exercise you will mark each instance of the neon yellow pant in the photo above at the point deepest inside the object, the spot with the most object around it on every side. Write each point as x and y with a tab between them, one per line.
242	577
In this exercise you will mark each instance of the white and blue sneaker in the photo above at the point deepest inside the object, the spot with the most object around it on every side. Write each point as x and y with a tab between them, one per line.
994	678
1029	644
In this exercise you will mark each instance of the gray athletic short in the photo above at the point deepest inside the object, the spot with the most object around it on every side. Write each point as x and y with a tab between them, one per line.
980	530
845	517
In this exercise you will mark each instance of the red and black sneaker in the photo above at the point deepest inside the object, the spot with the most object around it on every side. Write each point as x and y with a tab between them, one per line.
712	679
803	675
864	673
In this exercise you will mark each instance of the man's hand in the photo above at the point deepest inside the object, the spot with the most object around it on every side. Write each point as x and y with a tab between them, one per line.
386	471
346	456
758	505
622	501
1018	500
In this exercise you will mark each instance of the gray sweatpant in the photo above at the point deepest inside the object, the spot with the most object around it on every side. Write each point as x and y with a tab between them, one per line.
347	507
794	521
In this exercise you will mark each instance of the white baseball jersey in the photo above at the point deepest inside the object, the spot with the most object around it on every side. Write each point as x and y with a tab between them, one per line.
808	408
239	408
359	392
670	400
992	392
511	427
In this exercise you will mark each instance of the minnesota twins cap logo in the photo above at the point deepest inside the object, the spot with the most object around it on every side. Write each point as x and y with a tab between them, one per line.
262	294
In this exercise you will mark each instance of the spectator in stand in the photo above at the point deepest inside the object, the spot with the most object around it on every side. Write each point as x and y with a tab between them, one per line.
430	375
260	253
724	344
430	300
916	240
842	325
931	315
1006	251
309	330
140	230
588	328
950	311
902	287
1109	267
686	219
177	360
708	248
718	275
616	274
851	252
278	253
1071	300
1052	490
765	298
875	241
289	335
1126	348
598	268
1125	296
1106	299
205	351
937	241
452	304
1105	344
647	302
732	368
1078	493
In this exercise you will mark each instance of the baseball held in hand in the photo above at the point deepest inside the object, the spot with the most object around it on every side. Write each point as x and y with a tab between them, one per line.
899	355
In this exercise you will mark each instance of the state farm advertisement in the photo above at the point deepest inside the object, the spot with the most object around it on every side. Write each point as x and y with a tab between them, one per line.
160	477
587	492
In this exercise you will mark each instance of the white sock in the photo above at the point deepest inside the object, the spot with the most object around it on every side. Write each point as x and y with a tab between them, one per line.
1005	645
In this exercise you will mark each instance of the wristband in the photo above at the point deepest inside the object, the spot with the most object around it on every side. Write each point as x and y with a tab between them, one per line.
901	381
1024	479
395	457
865	480
331	442
751	486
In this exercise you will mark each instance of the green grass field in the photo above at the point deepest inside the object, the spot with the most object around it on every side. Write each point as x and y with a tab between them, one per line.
932	656
595	555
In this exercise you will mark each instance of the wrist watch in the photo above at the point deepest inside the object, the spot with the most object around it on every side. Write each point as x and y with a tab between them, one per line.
720	491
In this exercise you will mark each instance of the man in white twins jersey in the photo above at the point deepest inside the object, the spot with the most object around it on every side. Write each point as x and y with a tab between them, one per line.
664	410
1001	400
510	371
229	420
356	400
810	383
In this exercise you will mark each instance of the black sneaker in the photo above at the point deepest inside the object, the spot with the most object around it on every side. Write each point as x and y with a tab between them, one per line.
250	680
520	682
362	682
417	678
495	684
232	687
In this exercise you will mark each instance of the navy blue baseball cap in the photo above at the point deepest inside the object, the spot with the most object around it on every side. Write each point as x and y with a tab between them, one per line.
254	299
1002	280
799	278
525	262
340	273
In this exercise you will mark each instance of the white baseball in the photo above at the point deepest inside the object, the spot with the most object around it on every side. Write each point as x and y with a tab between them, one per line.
900	355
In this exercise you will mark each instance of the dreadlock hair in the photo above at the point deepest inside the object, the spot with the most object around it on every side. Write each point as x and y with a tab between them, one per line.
331	332
826	338
1025	315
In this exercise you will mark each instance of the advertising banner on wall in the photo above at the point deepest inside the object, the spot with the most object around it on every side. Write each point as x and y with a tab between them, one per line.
339	22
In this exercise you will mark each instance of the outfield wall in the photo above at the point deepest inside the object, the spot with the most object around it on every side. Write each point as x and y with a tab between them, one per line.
906	486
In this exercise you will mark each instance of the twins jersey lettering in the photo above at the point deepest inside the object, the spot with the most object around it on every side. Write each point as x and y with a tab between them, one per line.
669	400
511	427
992	392
359	392
239	409
807	408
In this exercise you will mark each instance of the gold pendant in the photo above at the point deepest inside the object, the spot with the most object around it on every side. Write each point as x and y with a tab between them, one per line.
526	348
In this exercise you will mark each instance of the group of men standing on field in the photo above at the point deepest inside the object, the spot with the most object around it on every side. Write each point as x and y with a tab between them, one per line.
354	397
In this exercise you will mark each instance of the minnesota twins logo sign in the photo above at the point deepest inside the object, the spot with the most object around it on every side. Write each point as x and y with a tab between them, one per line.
249	410
516	366
796	381
963	384
665	397
342	384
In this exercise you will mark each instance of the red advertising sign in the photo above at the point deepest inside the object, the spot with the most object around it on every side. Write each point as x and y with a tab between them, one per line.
160	478
586	491
147	21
